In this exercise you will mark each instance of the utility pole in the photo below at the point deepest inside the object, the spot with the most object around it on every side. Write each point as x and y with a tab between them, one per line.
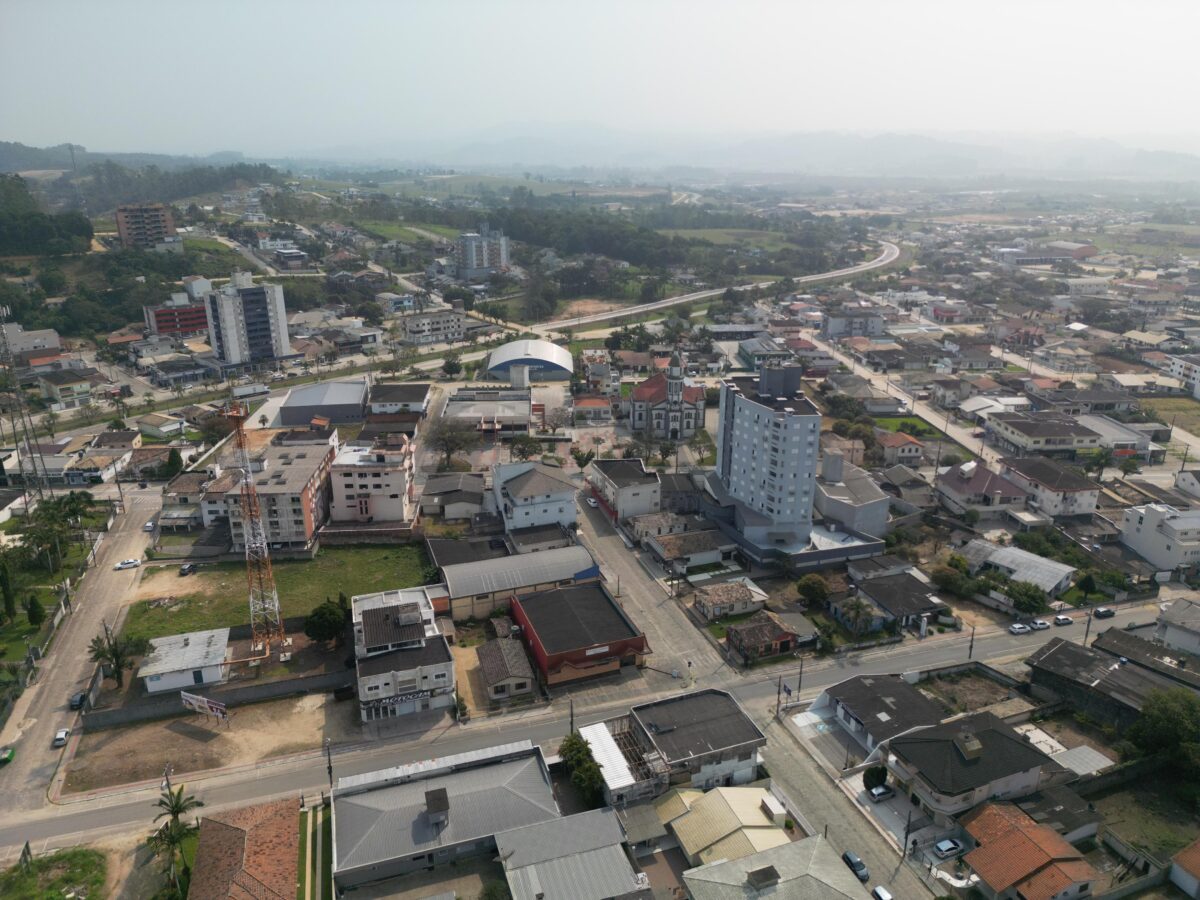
971	646
1088	629
166	782
907	831
329	764
571	729
800	680
778	696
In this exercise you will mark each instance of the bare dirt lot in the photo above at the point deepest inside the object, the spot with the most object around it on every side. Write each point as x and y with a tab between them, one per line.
194	743
578	308
965	693
1064	729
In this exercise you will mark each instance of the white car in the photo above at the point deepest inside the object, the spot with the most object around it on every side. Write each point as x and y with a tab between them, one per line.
60	737
1039	624
592	502
127	564
149	526
1019	628
947	848
1063	620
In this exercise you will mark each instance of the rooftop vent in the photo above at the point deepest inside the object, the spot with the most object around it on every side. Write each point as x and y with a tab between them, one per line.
762	878
437	806
968	745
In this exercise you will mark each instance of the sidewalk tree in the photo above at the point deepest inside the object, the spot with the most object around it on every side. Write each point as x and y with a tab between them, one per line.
325	623
447	437
7	593
582	458
451	365
557	418
525	446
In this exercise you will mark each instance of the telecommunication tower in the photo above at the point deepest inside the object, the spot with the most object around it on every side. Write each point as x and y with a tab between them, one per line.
266	623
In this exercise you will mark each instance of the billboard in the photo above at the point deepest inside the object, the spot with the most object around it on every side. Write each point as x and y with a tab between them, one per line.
203	705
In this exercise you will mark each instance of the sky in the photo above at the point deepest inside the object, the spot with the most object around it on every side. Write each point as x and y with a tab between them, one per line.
357	77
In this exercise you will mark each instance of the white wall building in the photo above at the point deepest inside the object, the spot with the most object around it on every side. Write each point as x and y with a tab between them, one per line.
1179	626
767	449
480	254
182	662
371	484
849	496
626	487
433	326
247	322
1165	537
529	494
1053	488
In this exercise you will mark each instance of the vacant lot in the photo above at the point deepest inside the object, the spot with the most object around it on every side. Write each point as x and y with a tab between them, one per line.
759	239
216	595
67	873
922	428
1148	813
965	693
1184	411
194	743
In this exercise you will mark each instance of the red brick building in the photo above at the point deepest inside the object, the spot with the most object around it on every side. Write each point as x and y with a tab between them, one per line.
176	317
577	632
145	225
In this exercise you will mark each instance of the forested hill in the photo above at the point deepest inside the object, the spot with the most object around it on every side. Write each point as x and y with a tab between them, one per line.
24	228
17	157
106	185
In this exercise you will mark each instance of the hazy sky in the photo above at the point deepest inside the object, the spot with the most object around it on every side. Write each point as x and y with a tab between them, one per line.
303	77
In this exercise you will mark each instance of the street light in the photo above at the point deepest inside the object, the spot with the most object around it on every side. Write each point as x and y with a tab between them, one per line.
329	763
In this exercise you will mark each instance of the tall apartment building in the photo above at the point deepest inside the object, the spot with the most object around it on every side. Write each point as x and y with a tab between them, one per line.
480	254
144	225
292	482
767	450
433	326
180	315
371	484
247	322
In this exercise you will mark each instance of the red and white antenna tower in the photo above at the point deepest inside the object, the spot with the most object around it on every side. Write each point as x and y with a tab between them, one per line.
266	623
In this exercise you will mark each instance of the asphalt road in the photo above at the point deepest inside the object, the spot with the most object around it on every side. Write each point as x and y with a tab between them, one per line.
44	707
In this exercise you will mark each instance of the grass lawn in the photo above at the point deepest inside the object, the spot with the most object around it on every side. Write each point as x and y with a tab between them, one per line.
1184	411
1148	813
325	892
78	872
209	244
893	423
762	239
302	858
718	629
217	594
841	634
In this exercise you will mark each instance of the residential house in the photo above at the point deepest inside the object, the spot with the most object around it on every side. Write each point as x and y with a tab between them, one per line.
902	601
1080	402
728	598
1052	488
1045	433
949	769
591	409
372	484
853	450
692	549
876	708
1185	870
808	869
65	388
971	486
251	851
764	635
1014	856
625	487
1019	565
505	669
852	322
726	823
1173	664
909	491
185	661
1164	536
160	426
528	494
1179	626
899	448
453	496
874	401
389	398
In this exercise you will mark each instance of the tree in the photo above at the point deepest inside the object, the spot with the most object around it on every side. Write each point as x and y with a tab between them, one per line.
6	591
1026	597
451	365
174	804
557	418
446	436
1101	460
1130	466
665	451
34	611
1169	723
262	421
585	773
858	613
51	419
1087	584
971	517
325	623
950	459
116	654
495	890
875	776
525	446
812	588
167	841
582	458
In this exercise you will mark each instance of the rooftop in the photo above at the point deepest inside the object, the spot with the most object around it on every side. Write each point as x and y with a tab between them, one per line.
1050	473
625	472
697	723
538	481
797	404
937	753
1016	853
328	393
808	869
1046	423
511	572
725	823
398	392
900	595
1173	664
1126	685
1183	613
575	617
394	624
537	534
184	652
501	659
972	479
249	853
886	705
856	486
453	551
1021	564
1060	808
433	652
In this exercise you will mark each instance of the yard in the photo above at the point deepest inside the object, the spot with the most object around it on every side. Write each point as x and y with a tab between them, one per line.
1149	813
67	873
965	693
216	595
1183	411
920	428
316	855
720	627
33	578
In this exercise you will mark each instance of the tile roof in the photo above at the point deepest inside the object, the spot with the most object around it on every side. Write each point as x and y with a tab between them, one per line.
502	659
713	818
975	479
654	390
760	629
384	625
1188	859
248	854
1015	852
1050	473
895	439
808	869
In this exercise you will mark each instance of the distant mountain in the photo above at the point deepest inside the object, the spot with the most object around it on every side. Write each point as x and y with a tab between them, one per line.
16	157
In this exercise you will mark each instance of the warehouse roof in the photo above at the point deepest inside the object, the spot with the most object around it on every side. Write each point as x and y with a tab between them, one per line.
572	618
512	572
398	392
328	393
697	723
183	652
531	351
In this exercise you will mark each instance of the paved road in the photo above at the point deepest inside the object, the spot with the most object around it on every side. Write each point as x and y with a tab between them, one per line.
43	709
888	256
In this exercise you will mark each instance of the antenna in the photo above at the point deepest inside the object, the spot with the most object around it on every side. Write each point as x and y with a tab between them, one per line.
266	623
23	429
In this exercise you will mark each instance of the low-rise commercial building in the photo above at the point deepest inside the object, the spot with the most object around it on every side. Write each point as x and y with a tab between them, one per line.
338	402
474	589
877	708
183	662
372	484
529	494
1046	433
625	487
434	326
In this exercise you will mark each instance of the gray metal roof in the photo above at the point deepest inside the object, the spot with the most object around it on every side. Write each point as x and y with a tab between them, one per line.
183	652
376	819
578	856
511	572
803	870
328	393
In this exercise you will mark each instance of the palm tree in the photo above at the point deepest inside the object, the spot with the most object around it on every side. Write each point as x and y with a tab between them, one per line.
1101	460
167	841
117	654
858	613
175	804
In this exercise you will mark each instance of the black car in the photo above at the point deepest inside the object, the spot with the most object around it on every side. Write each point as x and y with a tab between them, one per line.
78	699
857	866
143	484
187	569
1104	612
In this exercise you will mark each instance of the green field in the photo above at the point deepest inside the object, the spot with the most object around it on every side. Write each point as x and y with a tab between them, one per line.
1149	814
77	873
893	423
34	579
473	185
761	239
216	595
1182	411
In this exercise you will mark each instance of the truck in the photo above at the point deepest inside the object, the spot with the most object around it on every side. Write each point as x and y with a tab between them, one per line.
249	391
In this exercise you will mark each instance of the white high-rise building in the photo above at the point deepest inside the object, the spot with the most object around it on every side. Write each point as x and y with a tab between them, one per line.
247	322
768	444
480	254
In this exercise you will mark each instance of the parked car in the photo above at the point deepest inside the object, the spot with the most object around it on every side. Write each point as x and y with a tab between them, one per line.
187	569
1019	628
60	737
947	848
78	699
6	755
1039	624
143	484
149	526
1063	620
857	866
592	502
880	793
1104	612
881	893
127	564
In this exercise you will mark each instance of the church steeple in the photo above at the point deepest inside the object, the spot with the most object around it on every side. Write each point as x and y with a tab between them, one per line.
675	380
